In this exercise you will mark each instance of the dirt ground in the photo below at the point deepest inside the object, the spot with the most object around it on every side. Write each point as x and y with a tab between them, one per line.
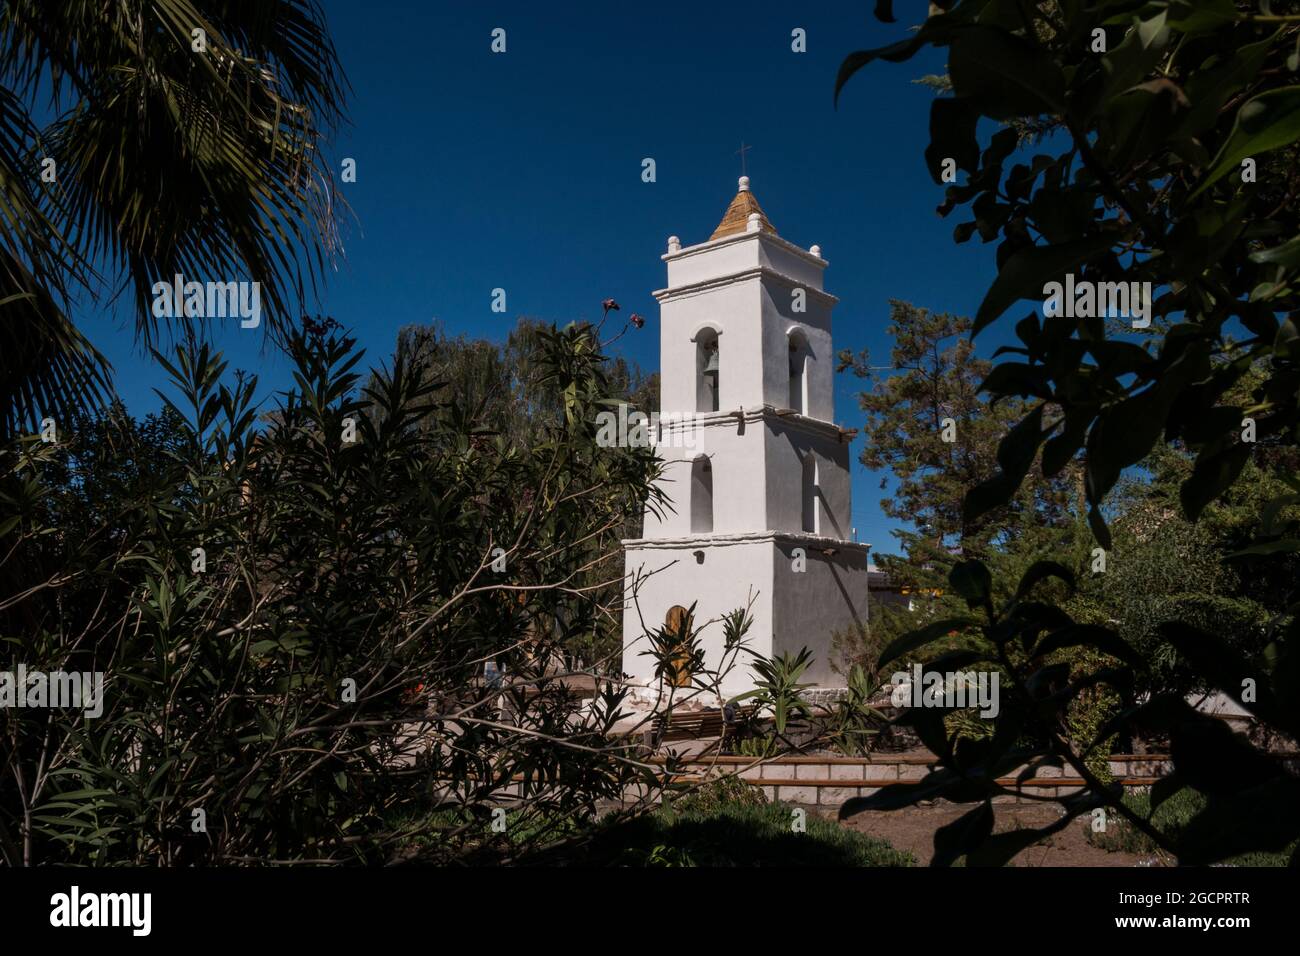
913	829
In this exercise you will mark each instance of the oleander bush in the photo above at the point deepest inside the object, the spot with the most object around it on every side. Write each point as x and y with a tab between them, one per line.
292	615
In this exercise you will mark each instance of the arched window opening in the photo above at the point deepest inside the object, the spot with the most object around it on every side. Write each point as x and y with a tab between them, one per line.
701	496
798	373
707	369
810	490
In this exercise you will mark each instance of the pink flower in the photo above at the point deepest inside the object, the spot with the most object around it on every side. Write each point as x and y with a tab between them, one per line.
638	321
610	305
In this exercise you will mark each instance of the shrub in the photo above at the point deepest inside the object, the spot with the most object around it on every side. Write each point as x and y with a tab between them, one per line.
1171	818
276	696
718	792
732	833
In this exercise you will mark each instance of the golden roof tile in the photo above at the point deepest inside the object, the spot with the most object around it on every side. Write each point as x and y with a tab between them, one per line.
736	219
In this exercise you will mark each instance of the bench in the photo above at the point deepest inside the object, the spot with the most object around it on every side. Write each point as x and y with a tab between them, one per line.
698	724
690	726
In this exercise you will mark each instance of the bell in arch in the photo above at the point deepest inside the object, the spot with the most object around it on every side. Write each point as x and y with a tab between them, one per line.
712	364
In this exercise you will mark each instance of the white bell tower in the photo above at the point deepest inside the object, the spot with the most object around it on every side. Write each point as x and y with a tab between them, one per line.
756	469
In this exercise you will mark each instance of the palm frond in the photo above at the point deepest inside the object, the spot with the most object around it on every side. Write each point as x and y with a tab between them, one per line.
207	164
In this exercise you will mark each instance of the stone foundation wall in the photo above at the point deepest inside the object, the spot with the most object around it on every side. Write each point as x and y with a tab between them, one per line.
829	781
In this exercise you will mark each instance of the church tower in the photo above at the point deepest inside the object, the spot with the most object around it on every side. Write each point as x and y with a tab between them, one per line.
755	468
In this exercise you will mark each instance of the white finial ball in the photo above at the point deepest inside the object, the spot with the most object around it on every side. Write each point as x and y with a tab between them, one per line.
674	244
816	250
744	184
754	223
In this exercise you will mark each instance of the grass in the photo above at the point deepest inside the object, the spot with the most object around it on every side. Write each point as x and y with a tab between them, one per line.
728	823
723	823
742	836
1170	818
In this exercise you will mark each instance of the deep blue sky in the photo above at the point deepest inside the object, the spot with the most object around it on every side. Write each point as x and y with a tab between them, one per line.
523	171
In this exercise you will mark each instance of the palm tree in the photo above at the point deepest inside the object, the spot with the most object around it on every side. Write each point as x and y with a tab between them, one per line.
176	137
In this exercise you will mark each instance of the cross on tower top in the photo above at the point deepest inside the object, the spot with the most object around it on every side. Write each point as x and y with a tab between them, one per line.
741	153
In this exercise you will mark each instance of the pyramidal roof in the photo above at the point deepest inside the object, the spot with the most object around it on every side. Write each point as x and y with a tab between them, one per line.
735	220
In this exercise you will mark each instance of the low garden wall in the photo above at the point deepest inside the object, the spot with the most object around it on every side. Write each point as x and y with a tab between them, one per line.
830	781
827	781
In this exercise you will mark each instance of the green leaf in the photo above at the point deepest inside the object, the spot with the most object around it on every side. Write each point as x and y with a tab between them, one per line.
1287	341
1017	378
1024	275
1222	665
1060	449
1209	89
1136	56
1122	436
85	794
1016	453
1203	16
1005	75
1039	684
1287	254
1273	509
934	30
1041	571
1266	122
987	495
927	724
1283	546
73	822
893	53
1212	475
971	580
919	638
952	136
1089	635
